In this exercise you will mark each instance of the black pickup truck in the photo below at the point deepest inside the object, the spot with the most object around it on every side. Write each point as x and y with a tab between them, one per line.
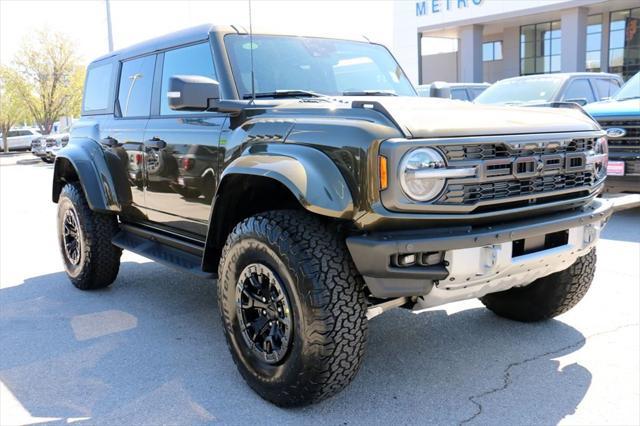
308	177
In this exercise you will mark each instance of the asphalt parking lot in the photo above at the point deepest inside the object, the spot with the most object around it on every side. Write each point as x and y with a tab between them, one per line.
150	349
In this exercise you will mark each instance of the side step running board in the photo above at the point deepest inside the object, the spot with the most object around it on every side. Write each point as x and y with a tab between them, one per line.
163	249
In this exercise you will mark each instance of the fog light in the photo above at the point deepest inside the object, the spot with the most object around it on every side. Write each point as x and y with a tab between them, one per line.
406	259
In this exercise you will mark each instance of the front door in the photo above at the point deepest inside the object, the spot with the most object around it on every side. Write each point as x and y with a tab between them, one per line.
181	150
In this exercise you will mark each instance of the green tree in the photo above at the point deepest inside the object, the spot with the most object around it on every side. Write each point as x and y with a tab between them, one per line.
52	78
12	108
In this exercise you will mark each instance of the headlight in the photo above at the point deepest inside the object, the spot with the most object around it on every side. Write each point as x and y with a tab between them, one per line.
415	168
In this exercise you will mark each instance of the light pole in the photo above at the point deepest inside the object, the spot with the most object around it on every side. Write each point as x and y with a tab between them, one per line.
109	33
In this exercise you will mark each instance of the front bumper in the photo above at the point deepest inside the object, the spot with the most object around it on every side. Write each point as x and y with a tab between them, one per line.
475	260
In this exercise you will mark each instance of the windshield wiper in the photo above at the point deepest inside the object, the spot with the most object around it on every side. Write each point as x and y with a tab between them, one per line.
284	94
369	93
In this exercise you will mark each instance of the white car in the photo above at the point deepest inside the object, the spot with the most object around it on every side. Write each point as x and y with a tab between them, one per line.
21	138
53	143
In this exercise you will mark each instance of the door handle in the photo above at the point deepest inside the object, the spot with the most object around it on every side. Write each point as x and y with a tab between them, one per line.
109	142
155	143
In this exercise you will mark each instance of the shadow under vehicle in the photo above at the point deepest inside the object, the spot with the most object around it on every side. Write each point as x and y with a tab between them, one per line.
308	177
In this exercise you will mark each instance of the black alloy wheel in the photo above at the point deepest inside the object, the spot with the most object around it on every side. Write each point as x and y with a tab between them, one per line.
72	239
264	313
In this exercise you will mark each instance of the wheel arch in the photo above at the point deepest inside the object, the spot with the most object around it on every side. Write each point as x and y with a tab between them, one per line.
284	177
85	162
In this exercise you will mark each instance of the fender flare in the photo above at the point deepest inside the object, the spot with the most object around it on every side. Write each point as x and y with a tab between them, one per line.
93	169
310	175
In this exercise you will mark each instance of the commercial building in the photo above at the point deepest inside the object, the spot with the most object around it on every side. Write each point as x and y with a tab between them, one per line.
488	40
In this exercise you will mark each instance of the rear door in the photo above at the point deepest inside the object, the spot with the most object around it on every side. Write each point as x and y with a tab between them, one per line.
125	130
182	153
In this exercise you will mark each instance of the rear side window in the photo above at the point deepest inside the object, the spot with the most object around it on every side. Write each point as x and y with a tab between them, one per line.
191	60
579	89
97	88
13	133
606	88
136	81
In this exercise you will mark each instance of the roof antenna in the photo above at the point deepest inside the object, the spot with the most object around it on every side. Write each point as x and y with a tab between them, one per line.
253	79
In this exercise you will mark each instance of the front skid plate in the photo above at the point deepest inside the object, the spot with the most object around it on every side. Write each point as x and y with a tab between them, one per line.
477	271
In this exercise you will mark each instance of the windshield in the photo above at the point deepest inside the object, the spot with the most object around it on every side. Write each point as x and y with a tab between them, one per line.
323	66
518	91
630	90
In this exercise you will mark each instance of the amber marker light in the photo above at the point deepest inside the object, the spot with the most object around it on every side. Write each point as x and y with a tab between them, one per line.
382	166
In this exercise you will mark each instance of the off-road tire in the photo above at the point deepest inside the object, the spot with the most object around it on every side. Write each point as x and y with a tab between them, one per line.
99	259
546	297
327	299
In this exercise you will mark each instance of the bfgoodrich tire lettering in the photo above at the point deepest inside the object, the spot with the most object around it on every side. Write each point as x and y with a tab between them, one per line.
96	261
326	298
546	297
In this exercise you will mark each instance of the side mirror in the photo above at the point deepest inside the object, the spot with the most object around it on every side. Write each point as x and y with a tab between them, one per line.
192	93
579	101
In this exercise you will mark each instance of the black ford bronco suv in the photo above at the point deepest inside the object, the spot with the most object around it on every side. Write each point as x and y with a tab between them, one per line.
308	177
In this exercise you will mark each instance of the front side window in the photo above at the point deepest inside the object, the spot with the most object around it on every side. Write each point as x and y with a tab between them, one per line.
136	81
540	48
606	88
325	66
579	89
190	60
459	94
594	42
520	91
97	88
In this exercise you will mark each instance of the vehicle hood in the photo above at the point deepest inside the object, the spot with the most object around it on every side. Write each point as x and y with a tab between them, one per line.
419	117
612	108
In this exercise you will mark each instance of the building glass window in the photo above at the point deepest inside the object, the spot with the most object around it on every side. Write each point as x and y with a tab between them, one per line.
594	43
624	42
540	48
492	51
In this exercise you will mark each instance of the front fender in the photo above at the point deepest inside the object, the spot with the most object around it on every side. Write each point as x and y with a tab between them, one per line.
308	173
84	159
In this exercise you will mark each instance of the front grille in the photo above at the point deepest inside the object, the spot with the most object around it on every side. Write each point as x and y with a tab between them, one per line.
501	150
527	172
630	141
473	193
51	142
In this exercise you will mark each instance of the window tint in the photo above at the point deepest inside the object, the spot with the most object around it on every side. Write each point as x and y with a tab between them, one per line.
579	89
192	60
136	80
606	88
97	88
12	133
460	94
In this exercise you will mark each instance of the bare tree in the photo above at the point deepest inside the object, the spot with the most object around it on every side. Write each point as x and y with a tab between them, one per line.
51	79
12	108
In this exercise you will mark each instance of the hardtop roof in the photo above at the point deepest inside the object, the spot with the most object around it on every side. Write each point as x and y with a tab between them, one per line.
186	36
